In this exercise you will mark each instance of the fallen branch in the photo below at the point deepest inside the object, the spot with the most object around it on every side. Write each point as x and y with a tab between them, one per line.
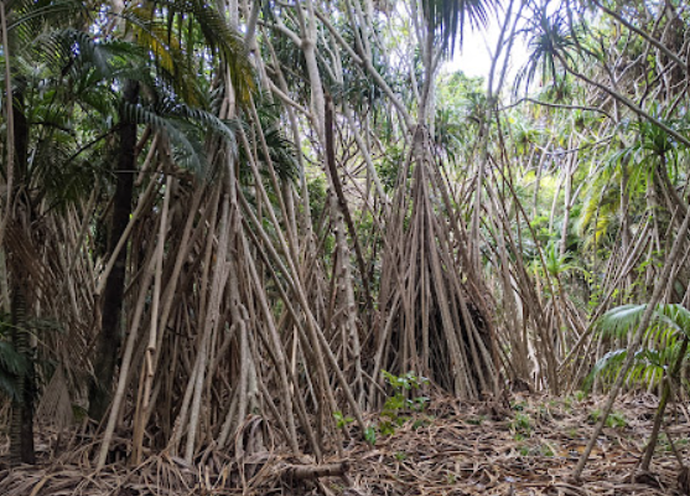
301	472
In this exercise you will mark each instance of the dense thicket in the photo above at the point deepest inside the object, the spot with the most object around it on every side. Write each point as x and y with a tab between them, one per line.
220	220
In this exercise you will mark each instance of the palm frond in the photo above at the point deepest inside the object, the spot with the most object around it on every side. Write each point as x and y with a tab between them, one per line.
551	39
448	18
188	151
28	18
620	320
675	317
224	39
11	362
648	367
660	348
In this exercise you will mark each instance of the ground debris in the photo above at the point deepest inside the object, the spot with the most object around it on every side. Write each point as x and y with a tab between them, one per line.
451	449
463	450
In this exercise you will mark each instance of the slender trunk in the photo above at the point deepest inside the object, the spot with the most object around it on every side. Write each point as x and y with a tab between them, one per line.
100	390
665	395
9	124
21	428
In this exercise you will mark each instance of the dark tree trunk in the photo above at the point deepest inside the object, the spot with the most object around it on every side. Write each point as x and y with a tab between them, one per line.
100	393
22	422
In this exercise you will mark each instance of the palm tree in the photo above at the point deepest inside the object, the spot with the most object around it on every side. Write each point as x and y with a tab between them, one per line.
90	79
151	23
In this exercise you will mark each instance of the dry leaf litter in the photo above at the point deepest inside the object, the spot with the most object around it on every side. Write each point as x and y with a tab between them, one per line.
523	445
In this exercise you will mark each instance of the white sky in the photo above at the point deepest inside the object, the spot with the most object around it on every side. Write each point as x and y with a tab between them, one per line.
474	59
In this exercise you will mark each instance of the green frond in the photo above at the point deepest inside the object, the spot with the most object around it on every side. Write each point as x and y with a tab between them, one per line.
448	18
551	40
223	39
648	368
661	345
557	263
27	18
188	151
11	362
620	320
675	317
610	360
210	122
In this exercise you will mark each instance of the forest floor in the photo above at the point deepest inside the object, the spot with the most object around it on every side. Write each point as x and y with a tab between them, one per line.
523	445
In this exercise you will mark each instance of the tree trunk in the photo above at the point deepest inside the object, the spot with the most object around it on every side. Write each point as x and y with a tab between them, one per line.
22	422
109	340
21	426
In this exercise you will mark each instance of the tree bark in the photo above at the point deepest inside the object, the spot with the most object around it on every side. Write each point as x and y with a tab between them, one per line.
22	423
100	391
21	428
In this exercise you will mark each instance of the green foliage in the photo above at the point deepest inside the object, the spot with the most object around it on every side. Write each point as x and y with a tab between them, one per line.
557	263
462	105
370	435
316	187
341	421
479	420
521	426
390	166
282	152
13	365
399	404
542	449
150	24
614	420
661	342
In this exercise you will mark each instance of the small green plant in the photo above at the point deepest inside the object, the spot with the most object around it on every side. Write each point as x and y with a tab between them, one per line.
519	406
399	403
614	420
341	421
580	395
370	435
420	423
387	428
401	456
594	416
521	426
684	441
479	420
401	386
546	450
